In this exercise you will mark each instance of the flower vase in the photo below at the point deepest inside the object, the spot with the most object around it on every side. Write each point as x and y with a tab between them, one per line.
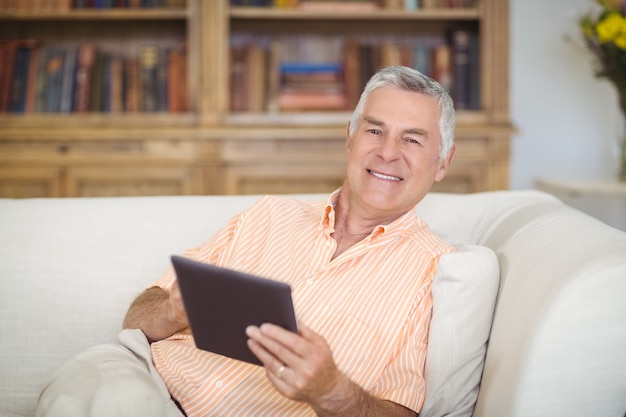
621	146
622	161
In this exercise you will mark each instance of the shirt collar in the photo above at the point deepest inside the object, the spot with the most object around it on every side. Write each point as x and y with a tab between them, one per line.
402	224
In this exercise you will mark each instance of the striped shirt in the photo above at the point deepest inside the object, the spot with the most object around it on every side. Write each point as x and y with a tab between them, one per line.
372	304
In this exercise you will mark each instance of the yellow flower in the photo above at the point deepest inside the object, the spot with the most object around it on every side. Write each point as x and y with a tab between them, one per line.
612	27
620	41
604	33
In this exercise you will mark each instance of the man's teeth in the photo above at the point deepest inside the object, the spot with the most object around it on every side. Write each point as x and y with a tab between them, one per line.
385	177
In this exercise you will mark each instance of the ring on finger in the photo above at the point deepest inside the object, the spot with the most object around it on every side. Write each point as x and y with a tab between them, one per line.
280	371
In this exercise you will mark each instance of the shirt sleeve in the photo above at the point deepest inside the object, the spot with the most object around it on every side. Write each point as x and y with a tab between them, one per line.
403	381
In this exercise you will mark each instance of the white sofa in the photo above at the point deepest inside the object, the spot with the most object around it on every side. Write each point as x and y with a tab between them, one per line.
70	267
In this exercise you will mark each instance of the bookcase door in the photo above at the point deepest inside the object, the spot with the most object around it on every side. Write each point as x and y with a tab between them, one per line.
293	178
26	181
283	165
114	181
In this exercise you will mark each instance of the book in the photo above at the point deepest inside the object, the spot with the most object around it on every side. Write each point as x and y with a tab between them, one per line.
393	4
406	58
68	80
273	76
17	71
96	98
339	5
86	61
40	85
19	78
237	78
116	99
421	58
7	57
312	81
132	91
474	71
311	101
367	64
162	79
411	4
105	88
316	68
148	59
351	73
54	79
31	85
390	54
460	39
177	87
442	65
255	77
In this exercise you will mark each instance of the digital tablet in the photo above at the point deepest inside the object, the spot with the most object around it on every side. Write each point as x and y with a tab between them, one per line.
221	303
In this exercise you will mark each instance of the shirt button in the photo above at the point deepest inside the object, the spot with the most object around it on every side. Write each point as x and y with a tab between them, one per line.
309	281
219	383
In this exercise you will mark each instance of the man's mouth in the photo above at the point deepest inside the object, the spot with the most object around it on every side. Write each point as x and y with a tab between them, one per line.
384	176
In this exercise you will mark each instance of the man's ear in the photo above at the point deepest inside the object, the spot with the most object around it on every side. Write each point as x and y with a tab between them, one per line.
348	138
444	165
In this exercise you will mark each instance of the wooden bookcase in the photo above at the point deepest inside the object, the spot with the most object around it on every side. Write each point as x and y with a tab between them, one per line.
207	149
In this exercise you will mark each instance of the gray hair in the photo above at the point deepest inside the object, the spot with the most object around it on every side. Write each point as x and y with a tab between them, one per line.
412	80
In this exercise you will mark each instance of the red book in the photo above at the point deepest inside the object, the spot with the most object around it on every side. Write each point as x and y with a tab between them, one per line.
132	97
84	77
311	101
352	73
7	57
116	84
177	87
442	65
31	86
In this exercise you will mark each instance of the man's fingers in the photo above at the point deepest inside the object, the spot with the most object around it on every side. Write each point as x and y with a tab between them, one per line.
276	341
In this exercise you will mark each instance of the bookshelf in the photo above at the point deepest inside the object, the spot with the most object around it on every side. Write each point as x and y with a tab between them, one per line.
206	146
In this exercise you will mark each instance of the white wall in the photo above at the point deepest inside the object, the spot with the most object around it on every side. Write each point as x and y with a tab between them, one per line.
567	120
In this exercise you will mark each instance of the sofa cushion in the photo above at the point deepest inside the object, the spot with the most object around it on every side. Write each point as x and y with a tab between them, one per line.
464	295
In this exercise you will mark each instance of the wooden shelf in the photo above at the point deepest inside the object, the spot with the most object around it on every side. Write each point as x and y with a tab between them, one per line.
268	13
464	118
86	15
85	120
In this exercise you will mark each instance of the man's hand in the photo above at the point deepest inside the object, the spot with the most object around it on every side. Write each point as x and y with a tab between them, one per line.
301	367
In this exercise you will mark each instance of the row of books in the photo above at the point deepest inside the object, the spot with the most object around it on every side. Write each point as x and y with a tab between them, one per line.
430	4
357	4
264	77
108	4
64	5
49	78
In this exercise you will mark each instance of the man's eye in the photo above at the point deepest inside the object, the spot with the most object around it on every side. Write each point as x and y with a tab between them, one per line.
412	140
374	131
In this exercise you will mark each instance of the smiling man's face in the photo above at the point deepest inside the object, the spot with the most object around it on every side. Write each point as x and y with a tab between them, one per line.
393	157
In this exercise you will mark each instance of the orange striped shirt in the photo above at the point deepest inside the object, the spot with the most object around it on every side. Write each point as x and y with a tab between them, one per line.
372	304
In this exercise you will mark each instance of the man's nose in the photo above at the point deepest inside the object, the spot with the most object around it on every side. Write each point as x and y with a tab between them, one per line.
390	148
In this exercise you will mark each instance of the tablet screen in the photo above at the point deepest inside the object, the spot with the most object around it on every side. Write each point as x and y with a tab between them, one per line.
221	303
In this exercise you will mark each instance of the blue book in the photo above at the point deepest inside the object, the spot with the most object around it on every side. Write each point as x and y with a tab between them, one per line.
68	80
411	4
17	94
54	79
309	67
421	58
